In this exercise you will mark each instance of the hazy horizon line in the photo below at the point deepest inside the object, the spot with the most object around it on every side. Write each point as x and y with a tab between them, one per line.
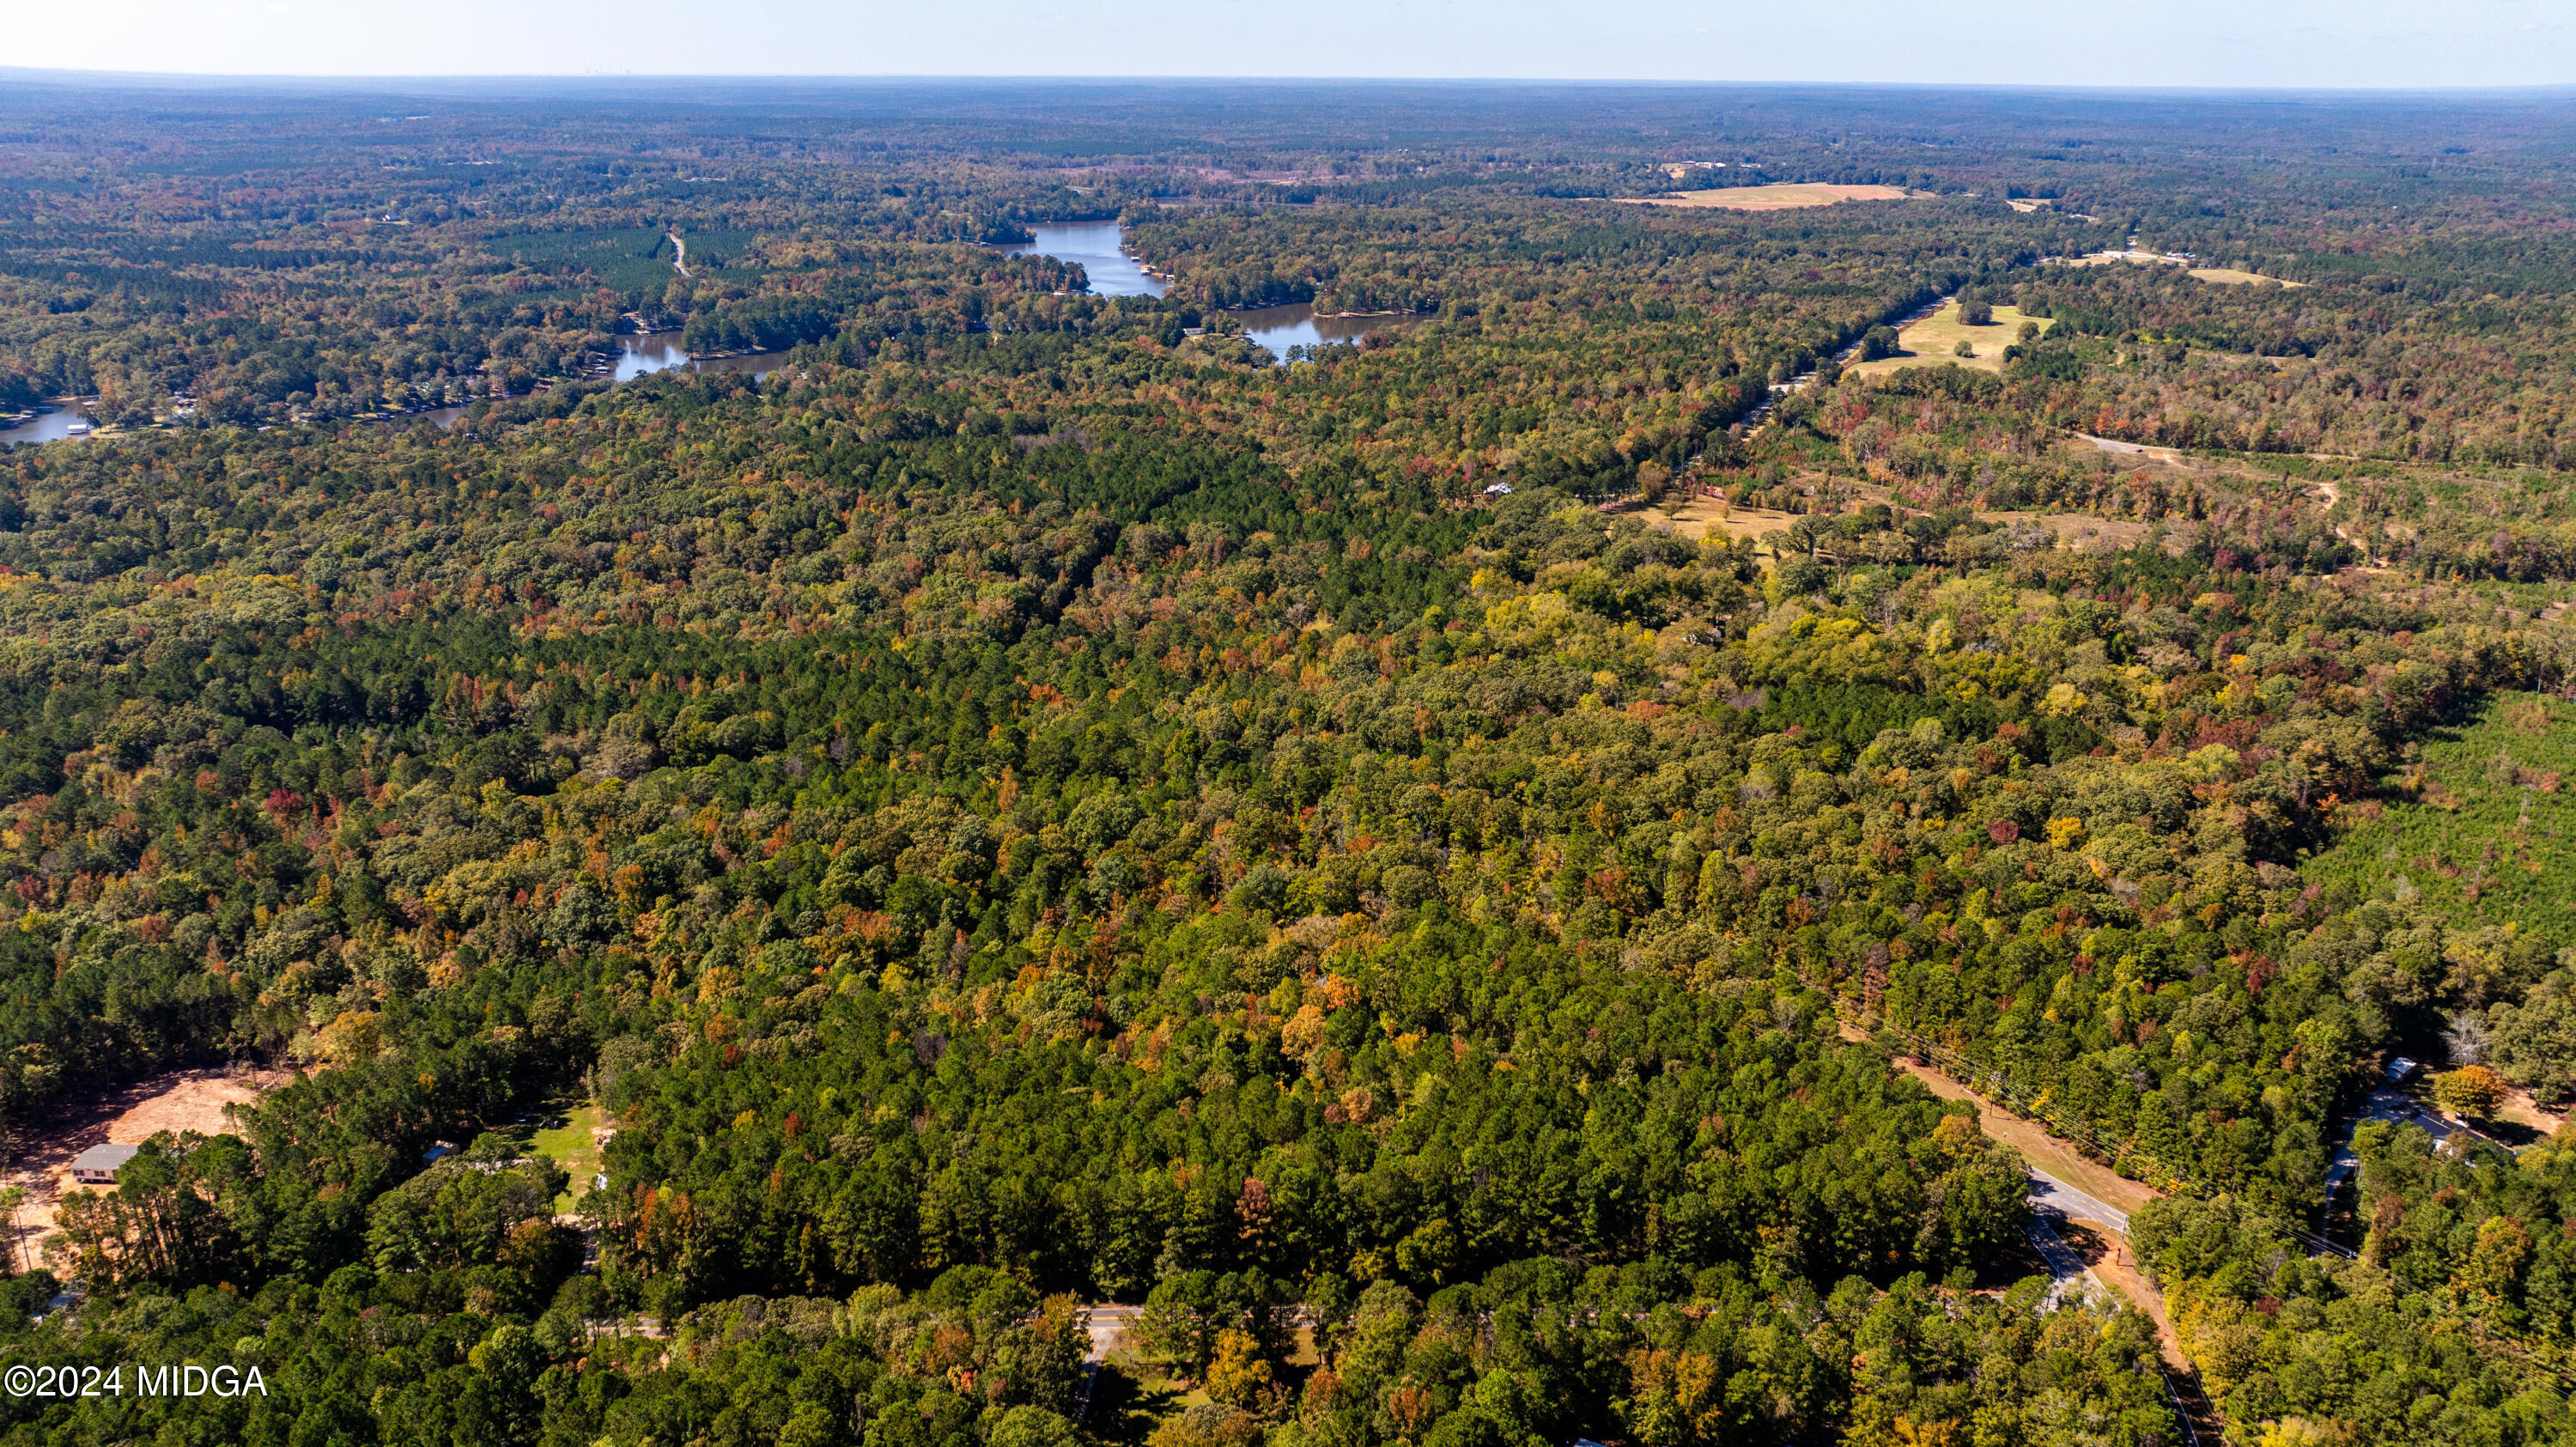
291	79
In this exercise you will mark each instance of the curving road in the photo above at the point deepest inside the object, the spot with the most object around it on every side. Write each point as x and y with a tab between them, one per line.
2049	1194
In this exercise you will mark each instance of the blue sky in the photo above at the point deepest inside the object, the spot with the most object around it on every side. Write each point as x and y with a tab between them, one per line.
2261	43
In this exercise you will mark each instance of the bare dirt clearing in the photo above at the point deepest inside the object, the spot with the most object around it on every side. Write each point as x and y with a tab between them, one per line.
1706	517
179	1101
1782	196
2230	276
2145	449
2219	275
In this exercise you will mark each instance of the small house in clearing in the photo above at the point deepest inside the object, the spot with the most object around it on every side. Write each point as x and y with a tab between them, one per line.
97	1165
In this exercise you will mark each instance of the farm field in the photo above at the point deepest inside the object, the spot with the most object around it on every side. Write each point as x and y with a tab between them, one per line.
2217	275
1935	339
2230	276
2480	827
1782	196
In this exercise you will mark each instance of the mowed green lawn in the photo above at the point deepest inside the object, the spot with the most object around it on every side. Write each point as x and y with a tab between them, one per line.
1936	338
572	1148
2484	835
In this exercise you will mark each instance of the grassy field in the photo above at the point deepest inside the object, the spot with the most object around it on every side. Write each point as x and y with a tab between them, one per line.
1782	196
2480	830
1701	517
573	1148
2230	276
1936	338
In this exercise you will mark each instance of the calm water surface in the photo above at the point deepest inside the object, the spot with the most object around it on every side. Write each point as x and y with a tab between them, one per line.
643	356
1296	325
53	426
1096	246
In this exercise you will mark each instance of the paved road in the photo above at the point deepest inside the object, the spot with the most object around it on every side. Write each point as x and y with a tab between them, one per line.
2047	1193
2053	1202
1108	1325
2065	1268
2392	1105
2380	1104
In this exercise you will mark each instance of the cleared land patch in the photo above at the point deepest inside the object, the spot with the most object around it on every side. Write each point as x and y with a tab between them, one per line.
1706	517
1703	517
2230	276
1781	196
1935	339
574	1146
2221	275
183	1100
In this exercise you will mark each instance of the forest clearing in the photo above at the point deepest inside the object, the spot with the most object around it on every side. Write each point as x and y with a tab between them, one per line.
185	1100
1934	340
575	1145
2230	276
1774	196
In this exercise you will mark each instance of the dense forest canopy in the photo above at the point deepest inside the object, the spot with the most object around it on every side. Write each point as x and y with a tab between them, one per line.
1403	872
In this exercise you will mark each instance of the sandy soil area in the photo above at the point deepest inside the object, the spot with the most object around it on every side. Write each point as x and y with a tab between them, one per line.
181	1100
2230	276
1782	196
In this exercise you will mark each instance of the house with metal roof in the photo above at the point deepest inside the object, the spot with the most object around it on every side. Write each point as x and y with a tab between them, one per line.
97	1165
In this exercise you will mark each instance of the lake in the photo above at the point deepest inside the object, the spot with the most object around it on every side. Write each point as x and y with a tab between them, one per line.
660	352
1282	327
53	426
1096	246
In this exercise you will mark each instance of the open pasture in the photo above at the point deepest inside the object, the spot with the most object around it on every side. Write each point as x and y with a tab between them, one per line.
1781	196
1935	339
2230	276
